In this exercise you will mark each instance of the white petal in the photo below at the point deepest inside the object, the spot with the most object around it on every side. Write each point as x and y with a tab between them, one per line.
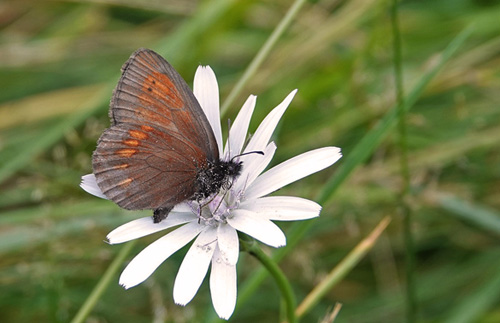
239	129
206	91
291	170
194	267
259	228
253	165
145	226
89	185
146	262
183	207
229	245
282	208
223	286
265	130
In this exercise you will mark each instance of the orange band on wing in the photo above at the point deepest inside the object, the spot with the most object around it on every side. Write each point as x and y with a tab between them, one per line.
131	142
138	134
160	87
127	153
125	182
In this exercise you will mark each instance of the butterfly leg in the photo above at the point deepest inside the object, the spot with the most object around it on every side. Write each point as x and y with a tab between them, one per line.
199	212
161	213
201	205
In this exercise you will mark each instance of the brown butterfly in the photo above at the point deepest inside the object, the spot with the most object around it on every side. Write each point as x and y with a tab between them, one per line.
160	149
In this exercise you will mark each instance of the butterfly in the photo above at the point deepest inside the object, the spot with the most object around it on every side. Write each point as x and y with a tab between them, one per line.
160	149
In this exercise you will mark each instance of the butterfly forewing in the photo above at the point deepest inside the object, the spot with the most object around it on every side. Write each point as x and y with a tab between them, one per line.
151	92
158	140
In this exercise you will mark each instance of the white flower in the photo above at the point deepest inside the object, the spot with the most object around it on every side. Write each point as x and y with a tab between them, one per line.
244	207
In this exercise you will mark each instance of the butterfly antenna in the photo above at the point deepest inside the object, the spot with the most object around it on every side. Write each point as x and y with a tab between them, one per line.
248	153
201	206
220	203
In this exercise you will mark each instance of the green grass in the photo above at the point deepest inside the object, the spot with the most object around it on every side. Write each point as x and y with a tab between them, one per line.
59	62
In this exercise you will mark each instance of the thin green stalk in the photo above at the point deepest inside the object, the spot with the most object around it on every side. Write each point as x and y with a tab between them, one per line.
284	286
349	163
262	54
479	302
342	269
374	137
411	297
46	139
477	215
173	44
103	283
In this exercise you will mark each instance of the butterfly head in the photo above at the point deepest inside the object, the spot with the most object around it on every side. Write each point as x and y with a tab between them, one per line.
219	174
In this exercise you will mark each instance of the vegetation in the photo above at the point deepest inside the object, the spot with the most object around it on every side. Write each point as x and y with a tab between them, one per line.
435	256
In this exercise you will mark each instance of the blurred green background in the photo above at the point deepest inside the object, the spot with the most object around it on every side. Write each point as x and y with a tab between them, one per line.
59	61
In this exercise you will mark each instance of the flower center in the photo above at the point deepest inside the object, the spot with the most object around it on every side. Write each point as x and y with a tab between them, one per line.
216	210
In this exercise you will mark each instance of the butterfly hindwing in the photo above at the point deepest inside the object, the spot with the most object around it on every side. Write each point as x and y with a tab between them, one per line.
137	169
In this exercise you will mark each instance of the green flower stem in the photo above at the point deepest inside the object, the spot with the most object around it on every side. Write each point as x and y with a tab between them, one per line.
350	162
103	284
411	298
262	54
272	267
